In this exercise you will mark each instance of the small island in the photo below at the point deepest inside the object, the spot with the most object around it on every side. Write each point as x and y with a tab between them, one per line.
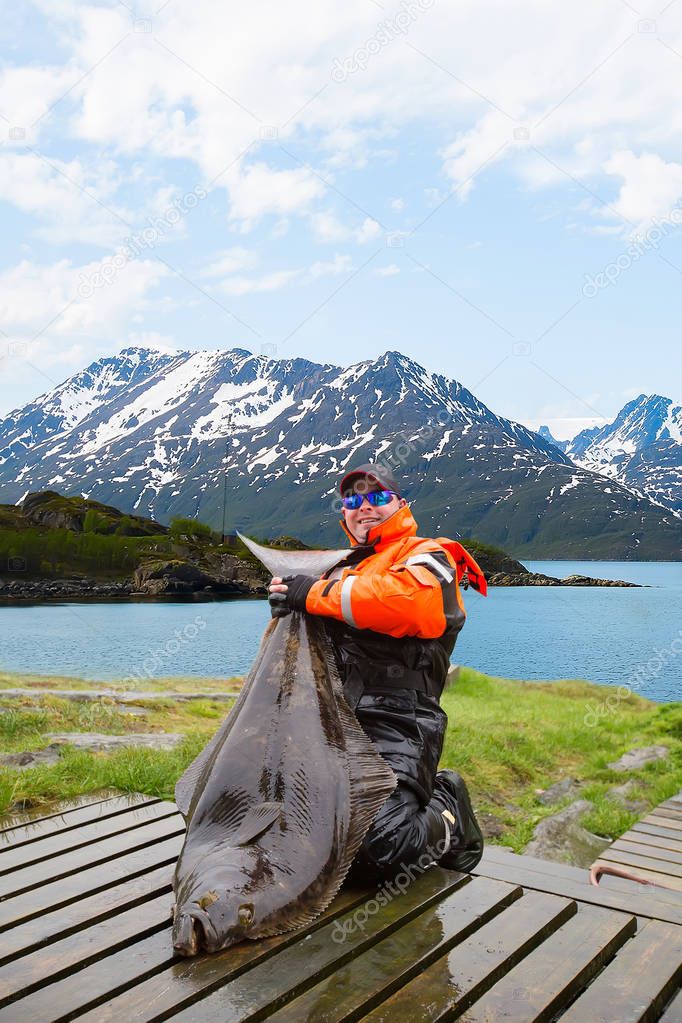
56	547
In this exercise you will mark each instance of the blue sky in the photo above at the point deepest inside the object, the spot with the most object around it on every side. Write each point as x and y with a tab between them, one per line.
447	183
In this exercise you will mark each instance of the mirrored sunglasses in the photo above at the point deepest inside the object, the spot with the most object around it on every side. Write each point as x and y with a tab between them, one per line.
376	498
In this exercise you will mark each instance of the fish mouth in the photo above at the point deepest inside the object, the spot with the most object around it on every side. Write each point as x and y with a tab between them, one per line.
193	932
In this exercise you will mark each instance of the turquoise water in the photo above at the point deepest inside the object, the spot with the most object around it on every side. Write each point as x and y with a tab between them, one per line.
613	636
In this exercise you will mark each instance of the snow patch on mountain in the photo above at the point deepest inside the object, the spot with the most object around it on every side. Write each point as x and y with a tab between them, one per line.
641	448
156	432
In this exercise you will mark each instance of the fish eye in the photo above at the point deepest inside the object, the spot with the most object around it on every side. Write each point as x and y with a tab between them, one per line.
245	914
207	900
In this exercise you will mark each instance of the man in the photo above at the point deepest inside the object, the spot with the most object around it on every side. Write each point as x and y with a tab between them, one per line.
393	611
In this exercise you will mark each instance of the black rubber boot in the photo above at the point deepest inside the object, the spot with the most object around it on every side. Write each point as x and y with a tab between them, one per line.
466	847
404	835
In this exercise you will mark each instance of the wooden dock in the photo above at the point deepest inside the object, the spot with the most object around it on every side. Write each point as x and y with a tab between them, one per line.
85	898
652	848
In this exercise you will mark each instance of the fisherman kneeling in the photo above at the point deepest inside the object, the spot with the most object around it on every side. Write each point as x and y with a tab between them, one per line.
393	610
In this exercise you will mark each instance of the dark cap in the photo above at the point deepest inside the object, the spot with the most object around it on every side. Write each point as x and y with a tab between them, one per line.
376	473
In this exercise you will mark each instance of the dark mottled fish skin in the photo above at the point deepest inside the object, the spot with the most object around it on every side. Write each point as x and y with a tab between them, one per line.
279	802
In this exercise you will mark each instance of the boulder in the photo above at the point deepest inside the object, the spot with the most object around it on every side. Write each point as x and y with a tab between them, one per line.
99	743
621	793
223	574
560	790
637	758
32	758
48	508
586	580
562	839
539	579
172	576
491	826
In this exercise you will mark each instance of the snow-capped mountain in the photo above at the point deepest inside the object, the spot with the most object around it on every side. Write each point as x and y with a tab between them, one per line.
546	434
641	448
63	408
153	432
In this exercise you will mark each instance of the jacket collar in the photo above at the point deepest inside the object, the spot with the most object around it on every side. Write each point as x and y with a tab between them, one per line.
396	527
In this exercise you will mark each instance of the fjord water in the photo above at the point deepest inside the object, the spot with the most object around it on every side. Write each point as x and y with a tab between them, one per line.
614	636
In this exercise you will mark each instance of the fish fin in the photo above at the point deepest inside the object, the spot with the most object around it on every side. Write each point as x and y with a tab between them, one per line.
257	820
280	562
371	782
371	779
187	782
186	785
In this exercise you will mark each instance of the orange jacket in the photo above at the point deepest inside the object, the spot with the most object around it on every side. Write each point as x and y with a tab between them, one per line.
399	589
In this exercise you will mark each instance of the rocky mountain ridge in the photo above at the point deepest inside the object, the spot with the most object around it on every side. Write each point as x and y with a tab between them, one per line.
154	433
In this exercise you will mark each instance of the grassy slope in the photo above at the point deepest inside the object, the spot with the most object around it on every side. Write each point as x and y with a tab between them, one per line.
509	739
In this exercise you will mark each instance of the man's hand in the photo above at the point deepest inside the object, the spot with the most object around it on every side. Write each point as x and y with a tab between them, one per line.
288	593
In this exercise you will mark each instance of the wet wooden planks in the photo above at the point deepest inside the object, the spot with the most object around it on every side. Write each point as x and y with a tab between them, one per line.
652	848
85	899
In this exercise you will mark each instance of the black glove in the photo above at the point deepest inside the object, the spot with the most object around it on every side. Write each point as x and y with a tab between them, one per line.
282	604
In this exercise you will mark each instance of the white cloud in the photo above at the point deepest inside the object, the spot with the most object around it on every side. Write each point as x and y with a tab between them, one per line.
388	271
231	261
61	300
220	97
241	285
328	228
338	265
53	330
368	231
152	339
56	192
27	94
651	186
260	190
232	282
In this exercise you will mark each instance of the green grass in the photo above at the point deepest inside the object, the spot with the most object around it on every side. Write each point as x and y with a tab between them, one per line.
178	684
153	772
509	739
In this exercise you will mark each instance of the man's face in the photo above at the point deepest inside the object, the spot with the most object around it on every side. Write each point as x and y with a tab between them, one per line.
360	520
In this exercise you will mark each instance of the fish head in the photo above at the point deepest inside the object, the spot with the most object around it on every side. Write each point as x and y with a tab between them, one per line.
216	907
213	923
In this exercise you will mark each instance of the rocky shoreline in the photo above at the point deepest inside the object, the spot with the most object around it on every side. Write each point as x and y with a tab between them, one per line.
179	564
237	578
537	579
229	576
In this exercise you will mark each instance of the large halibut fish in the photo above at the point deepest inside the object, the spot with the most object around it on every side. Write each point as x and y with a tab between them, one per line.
279	801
